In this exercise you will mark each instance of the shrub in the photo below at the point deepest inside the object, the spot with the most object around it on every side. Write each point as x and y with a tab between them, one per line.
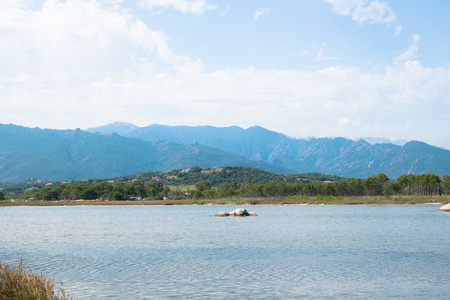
22	283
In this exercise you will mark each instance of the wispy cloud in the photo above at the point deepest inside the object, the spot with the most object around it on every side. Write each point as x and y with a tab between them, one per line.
317	54
411	53
398	30
320	56
225	11
195	7
259	13
362	11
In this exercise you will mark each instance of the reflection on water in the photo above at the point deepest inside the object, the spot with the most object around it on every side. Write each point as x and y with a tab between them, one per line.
139	252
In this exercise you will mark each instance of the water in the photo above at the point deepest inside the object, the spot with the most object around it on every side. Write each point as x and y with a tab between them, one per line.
160	252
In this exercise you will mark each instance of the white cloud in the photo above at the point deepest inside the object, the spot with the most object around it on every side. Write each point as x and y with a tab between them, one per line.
411	53
195	7
398	30
78	38
343	7
259	13
375	12
112	2
363	11
78	64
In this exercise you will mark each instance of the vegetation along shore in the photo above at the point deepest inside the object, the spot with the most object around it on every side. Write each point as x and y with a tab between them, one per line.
247	201
232	185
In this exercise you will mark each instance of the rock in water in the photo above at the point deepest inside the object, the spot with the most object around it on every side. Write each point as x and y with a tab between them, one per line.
221	214
240	212
445	208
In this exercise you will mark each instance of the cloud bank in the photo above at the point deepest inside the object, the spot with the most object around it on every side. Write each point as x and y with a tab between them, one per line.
81	63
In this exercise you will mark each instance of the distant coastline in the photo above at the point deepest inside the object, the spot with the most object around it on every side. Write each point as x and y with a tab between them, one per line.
249	201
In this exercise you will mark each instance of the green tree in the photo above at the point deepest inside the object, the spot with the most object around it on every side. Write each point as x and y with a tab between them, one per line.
406	183
270	189
446	187
104	188
66	191
372	186
76	191
2	196
196	170
227	189
203	185
50	194
89	193
382	178
197	195
139	189
209	194
282	189
154	190
391	188
118	192
129	190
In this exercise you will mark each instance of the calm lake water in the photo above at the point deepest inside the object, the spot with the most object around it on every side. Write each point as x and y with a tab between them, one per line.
146	252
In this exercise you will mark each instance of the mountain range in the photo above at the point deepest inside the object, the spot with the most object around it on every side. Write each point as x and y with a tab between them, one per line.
335	156
77	155
120	149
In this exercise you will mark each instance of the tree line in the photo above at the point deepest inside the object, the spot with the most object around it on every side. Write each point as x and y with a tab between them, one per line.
375	185
188	176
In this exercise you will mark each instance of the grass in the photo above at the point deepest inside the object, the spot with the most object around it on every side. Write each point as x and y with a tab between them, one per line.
19	282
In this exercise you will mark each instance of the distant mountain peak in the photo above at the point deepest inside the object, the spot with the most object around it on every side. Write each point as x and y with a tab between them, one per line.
380	140
119	124
121	128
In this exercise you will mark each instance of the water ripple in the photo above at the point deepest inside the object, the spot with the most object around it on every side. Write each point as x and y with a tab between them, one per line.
183	252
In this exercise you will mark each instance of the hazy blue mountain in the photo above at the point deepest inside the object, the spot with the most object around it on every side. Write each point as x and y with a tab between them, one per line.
75	154
121	128
254	143
375	140
336	156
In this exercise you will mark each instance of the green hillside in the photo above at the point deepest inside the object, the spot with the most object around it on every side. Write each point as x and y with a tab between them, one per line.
217	176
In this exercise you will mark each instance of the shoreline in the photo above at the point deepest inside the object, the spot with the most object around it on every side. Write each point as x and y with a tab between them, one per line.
406	200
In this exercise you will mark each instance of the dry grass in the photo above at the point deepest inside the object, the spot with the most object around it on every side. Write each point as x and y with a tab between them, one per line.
22	283
252	201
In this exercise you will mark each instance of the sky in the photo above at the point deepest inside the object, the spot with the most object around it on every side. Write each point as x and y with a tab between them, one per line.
305	68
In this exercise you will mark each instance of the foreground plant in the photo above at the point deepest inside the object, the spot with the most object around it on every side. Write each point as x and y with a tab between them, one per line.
22	283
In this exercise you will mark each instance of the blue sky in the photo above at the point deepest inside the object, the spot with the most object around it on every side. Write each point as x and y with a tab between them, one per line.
351	68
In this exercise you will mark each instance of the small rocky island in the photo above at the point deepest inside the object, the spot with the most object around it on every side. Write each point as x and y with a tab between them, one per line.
240	212
445	208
